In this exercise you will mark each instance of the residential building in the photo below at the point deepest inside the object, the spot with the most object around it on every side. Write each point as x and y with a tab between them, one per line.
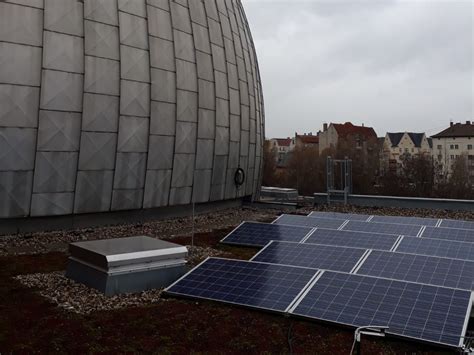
360	136
282	146
455	141
398	145
307	140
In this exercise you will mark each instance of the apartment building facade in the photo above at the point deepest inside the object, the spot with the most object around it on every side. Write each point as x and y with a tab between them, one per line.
399	145
362	137
454	142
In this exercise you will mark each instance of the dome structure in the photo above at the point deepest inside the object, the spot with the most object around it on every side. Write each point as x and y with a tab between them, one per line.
110	105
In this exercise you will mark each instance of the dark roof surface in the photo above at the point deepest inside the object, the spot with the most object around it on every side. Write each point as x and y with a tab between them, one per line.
395	138
416	138
346	129
457	130
283	142
308	139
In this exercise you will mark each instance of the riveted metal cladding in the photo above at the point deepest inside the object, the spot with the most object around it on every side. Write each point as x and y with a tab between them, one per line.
110	105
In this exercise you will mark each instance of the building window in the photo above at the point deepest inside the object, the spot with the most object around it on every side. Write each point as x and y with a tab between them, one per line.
440	147
406	150
451	146
456	146
469	147
413	150
452	157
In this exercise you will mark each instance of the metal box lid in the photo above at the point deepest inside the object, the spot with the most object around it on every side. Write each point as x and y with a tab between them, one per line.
110	253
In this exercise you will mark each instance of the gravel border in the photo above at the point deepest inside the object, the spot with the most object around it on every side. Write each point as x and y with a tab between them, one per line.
78	298
57	241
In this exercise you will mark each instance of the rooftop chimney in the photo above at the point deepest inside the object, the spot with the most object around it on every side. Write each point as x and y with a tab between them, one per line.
325	127
468	122
451	124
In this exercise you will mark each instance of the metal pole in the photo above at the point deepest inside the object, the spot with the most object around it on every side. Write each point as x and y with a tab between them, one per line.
357	347
193	202
192	235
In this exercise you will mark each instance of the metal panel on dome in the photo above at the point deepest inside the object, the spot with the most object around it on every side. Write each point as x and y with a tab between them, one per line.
103	64
19	106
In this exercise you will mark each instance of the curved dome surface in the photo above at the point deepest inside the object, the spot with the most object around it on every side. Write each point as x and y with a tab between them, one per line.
112	105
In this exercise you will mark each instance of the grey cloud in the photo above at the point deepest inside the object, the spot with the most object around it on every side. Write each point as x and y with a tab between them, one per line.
396	65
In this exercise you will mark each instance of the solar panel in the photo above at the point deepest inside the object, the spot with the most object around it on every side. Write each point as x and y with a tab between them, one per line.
352	239
338	215
424	312
252	284
419	268
453	223
418	221
437	247
384	228
259	234
460	235
295	220
312	256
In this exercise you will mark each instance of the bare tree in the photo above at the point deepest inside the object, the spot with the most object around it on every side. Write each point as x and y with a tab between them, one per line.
269	164
459	184
305	170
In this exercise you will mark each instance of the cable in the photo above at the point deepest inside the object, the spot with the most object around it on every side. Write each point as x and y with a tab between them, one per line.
353	345
290	338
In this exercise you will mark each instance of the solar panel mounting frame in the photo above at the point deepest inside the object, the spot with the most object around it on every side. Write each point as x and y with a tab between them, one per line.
464	329
266	309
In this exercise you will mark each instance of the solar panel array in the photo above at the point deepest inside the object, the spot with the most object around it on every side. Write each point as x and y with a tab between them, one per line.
411	274
420	269
295	220
260	234
271	287
418	221
428	313
460	235
339	215
437	247
398	266
312	256
385	228
452	223
352	239
424	312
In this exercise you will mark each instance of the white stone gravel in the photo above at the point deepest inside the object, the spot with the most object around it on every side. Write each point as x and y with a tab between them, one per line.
78	298
38	243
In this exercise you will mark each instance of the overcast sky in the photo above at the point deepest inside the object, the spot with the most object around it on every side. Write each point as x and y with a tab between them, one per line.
396	65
